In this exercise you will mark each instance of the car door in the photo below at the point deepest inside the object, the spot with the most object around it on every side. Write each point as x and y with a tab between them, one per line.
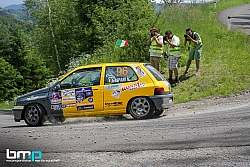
116	78
85	97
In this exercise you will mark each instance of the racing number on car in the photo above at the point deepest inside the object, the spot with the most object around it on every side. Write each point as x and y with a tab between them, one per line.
122	71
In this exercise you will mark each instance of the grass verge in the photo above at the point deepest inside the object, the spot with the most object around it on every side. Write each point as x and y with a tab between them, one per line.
225	57
6	105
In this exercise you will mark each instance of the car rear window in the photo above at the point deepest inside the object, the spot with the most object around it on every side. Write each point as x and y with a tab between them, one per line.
154	72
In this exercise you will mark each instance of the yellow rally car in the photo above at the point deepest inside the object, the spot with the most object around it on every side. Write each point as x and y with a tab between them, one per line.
97	90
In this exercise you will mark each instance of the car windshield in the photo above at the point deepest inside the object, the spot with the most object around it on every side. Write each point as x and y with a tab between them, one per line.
82	78
154	72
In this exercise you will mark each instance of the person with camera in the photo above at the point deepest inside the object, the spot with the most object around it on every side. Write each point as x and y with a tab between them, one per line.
195	49
155	41
173	55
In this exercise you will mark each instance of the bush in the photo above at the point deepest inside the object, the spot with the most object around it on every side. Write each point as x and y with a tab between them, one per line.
8	82
34	72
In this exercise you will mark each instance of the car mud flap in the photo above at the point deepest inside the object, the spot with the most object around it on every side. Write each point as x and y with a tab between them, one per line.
52	119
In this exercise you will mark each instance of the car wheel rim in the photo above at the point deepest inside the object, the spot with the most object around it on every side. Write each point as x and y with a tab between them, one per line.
32	115
140	107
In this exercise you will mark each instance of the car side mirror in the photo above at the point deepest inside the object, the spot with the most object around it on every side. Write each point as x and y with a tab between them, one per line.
73	83
56	87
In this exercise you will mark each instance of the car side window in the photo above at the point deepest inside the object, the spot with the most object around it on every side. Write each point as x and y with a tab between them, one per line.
119	74
82	78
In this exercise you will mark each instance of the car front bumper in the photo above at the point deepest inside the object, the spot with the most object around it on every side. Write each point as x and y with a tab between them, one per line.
17	114
163	101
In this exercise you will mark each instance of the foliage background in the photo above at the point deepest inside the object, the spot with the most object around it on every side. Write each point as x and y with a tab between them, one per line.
60	35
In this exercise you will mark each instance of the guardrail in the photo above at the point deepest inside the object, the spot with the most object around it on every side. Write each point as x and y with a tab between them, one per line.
244	21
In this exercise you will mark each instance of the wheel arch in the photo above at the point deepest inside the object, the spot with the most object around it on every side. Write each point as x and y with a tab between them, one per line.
37	104
127	107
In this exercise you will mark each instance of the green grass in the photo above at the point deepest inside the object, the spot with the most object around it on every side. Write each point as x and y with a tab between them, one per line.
6	105
225	57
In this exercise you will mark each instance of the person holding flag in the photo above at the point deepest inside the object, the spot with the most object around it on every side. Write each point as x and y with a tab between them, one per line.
155	41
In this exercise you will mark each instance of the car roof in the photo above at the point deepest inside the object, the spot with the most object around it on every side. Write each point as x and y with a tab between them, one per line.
112	64
108	64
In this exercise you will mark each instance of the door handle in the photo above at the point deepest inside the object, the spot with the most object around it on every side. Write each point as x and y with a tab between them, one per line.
94	89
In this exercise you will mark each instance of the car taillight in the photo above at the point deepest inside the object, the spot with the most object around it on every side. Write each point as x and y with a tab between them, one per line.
159	91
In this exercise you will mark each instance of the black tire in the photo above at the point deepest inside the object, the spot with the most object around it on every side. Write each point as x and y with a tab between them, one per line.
141	108
158	112
34	115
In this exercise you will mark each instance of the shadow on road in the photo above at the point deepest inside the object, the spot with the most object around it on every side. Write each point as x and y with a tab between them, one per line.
6	112
83	120
18	126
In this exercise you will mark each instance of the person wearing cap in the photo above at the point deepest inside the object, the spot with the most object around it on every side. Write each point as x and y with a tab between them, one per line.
195	49
173	54
155	41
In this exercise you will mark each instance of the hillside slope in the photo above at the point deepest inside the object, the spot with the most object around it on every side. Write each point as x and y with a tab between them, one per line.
7	20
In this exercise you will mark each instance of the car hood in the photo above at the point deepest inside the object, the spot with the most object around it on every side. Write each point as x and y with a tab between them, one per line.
36	92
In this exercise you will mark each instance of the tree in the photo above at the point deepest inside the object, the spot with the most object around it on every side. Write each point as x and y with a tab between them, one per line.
8	82
30	66
56	31
35	73
89	17
65	29
108	21
14	49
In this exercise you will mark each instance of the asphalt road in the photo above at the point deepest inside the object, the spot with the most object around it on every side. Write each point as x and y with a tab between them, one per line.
240	17
207	133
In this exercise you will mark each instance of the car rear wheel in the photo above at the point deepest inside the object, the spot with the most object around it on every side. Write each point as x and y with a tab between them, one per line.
141	107
34	115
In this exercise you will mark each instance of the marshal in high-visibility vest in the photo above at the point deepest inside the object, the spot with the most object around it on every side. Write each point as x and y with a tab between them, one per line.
154	47
199	40
174	54
155	43
175	50
195	49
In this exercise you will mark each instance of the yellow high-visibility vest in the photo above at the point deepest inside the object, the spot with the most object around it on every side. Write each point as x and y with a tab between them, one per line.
154	47
199	41
175	51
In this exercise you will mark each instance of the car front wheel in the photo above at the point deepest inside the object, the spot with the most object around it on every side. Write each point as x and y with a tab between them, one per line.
141	107
34	115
